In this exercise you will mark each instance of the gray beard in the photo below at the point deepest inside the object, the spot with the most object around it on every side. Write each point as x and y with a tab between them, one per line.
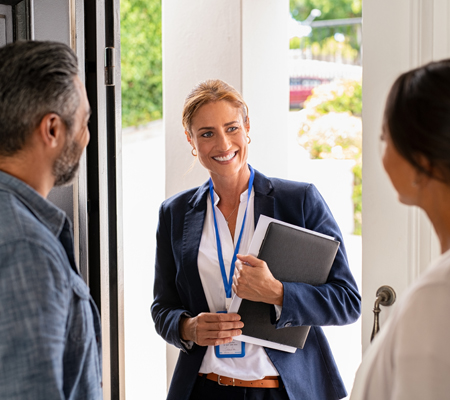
66	165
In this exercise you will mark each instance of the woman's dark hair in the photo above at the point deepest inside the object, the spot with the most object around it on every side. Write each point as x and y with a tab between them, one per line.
417	117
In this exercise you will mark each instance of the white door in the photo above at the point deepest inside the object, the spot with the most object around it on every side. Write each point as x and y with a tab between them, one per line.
398	241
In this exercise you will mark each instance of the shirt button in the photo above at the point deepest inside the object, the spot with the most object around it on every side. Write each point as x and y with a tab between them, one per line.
287	324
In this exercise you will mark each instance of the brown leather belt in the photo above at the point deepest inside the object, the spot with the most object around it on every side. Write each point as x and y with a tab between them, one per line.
271	382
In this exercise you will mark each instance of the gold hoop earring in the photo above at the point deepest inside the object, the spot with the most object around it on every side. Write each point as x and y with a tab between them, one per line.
192	152
248	139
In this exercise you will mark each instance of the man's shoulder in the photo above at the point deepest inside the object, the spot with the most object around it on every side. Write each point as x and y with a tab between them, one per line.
19	224
29	248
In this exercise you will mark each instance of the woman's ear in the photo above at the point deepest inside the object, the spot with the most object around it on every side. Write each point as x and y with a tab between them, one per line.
427	173
247	125
188	137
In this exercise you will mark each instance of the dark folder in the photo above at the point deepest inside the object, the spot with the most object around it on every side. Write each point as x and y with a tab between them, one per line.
292	255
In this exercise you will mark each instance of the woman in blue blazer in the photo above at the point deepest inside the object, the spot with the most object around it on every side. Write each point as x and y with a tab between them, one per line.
200	233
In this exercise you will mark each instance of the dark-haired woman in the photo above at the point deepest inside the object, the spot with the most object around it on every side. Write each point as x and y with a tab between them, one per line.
200	233
410	358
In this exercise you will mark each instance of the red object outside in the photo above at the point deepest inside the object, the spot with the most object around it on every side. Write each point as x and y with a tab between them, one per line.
300	88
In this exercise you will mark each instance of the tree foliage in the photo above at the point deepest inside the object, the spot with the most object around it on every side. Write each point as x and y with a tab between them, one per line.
141	65
330	9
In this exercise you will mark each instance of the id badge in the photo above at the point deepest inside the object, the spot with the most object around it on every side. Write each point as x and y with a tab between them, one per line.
234	349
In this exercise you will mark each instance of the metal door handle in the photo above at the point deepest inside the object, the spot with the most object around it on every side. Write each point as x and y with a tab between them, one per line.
385	297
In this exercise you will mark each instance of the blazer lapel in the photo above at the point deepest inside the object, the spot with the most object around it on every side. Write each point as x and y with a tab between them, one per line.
192	234
264	202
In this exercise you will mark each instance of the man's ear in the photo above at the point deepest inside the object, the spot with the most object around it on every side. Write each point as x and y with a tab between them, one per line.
51	130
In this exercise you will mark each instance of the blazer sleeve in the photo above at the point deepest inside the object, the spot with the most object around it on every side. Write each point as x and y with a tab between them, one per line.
167	308
337	302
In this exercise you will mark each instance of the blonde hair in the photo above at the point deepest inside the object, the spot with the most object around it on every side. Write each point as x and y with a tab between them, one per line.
207	92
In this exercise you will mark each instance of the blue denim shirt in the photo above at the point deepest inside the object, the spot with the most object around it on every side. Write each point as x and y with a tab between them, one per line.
50	343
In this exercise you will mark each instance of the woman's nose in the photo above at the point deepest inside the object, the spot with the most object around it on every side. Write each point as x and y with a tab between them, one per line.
223	140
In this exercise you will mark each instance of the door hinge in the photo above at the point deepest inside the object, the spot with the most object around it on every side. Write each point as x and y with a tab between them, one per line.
110	57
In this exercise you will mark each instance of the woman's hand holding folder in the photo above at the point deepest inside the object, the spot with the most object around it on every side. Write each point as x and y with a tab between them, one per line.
253	281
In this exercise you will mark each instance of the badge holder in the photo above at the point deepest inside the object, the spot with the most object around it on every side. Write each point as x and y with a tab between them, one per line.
234	349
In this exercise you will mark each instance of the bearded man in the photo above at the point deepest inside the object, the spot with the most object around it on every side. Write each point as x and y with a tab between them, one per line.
50	344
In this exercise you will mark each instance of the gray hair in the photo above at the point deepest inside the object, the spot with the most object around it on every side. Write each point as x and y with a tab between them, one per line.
36	78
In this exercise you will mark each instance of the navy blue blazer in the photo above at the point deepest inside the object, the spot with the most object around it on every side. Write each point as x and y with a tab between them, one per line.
309	373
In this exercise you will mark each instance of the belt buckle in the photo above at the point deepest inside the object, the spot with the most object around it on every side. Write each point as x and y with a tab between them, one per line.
223	384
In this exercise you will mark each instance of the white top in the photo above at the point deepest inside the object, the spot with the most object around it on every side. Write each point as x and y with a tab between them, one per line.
410	358
256	364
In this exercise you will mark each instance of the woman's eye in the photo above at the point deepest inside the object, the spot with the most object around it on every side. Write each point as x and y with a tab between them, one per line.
207	134
382	144
232	128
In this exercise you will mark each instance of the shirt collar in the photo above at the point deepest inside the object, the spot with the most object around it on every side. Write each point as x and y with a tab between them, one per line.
242	198
261	187
45	211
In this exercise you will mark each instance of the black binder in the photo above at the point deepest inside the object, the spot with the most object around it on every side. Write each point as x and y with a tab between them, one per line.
292	255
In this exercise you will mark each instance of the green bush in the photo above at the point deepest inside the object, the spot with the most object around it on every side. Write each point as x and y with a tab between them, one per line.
357	197
141	61
348	101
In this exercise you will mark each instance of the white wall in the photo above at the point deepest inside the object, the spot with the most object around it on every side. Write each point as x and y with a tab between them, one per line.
265	83
243	42
201	40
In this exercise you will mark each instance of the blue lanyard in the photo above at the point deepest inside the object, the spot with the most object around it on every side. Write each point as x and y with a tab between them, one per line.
227	283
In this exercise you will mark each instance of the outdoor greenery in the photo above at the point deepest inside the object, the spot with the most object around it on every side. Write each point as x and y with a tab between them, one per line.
321	40
141	55
347	99
331	128
330	9
357	196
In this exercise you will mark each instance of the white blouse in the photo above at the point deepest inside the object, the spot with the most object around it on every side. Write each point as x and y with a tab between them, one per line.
256	364
410	357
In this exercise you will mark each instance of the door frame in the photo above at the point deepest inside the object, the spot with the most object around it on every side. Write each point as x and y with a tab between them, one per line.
104	184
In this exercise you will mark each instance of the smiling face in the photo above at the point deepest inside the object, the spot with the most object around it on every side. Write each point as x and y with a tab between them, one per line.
219	135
